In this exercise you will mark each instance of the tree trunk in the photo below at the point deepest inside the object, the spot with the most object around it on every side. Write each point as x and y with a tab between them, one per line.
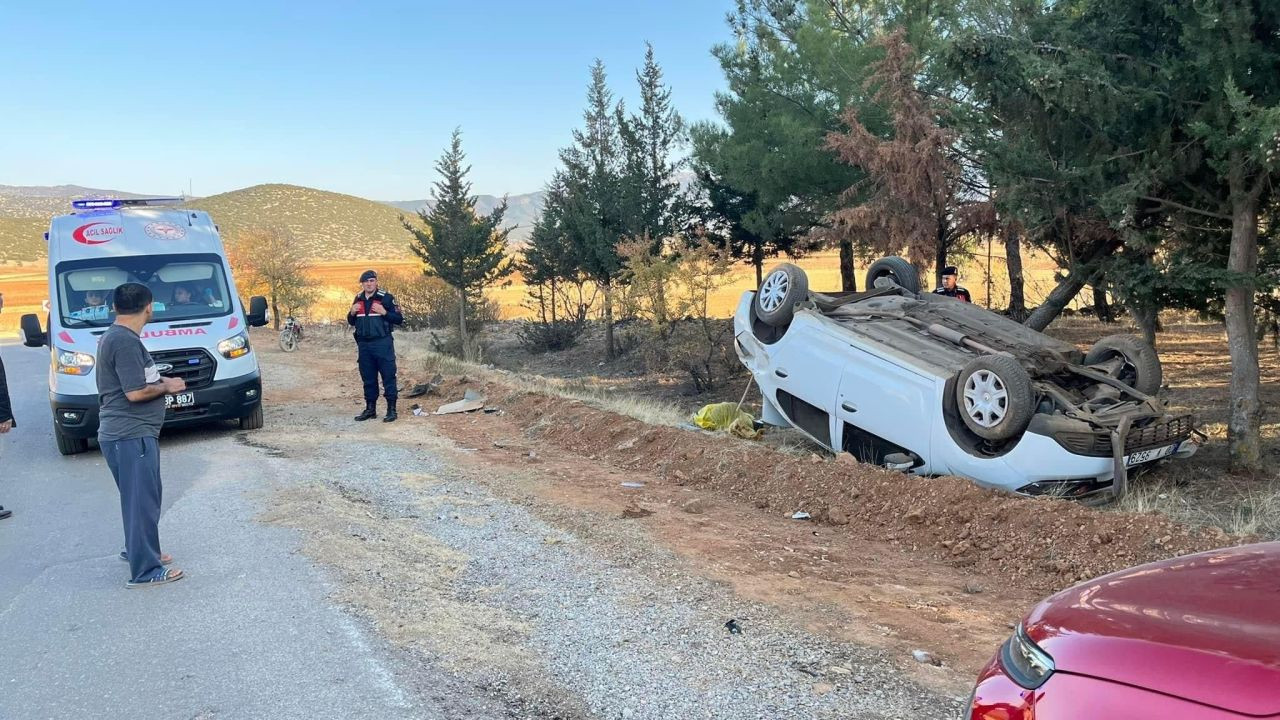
1245	418
757	259
848	281
1148	320
275	310
1013	259
1101	307
554	295
939	259
609	351
462	324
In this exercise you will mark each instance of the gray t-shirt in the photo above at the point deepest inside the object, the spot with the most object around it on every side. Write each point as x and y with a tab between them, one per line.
123	366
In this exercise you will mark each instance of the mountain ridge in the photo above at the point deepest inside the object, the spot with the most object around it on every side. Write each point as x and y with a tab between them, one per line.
329	226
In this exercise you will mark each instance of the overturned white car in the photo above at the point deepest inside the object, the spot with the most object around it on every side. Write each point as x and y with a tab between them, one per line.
938	386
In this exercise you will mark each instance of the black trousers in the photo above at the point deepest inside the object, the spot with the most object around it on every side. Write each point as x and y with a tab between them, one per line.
378	357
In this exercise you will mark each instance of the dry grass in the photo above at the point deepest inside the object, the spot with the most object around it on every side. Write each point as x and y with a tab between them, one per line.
1253	509
603	397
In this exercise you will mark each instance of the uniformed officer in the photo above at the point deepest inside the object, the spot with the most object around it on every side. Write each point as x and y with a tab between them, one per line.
374	315
949	286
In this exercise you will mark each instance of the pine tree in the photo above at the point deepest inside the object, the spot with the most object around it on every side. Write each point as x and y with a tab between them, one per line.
466	250
549	261
592	177
649	141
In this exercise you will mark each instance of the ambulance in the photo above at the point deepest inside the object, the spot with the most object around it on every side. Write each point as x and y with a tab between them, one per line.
199	329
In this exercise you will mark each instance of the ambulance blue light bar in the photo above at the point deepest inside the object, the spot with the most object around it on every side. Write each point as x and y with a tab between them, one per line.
99	203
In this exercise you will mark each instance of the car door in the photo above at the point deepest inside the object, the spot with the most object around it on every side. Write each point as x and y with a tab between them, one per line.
807	366
883	408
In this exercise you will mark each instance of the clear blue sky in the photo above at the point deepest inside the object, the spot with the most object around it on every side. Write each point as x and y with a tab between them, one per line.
142	96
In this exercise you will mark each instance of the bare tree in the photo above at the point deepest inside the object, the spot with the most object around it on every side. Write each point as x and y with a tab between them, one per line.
269	261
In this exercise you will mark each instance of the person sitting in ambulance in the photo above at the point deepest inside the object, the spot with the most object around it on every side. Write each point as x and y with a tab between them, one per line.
93	299
182	296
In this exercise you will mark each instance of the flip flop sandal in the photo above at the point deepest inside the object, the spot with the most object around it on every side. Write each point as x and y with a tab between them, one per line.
165	558
166	576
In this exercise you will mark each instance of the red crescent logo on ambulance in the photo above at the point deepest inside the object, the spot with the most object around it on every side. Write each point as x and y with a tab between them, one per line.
96	233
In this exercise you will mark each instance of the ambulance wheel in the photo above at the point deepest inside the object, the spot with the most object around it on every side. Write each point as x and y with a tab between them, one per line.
252	421
69	445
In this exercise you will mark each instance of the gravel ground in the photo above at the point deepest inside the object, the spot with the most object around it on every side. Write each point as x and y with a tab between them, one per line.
557	613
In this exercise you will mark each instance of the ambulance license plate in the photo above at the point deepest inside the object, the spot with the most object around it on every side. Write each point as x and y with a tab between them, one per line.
180	400
1147	456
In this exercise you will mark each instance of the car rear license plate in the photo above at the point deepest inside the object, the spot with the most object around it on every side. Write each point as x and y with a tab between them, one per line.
180	400
1146	456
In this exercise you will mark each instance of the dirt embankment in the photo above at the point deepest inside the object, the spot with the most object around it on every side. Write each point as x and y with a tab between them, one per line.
1037	545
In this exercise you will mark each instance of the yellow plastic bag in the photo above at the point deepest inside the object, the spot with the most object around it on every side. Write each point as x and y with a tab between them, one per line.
726	417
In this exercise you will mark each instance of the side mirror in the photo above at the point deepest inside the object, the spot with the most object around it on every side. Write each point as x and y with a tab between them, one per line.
33	335
257	315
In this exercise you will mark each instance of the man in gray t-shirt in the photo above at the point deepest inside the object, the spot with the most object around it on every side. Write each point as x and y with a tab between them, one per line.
131	403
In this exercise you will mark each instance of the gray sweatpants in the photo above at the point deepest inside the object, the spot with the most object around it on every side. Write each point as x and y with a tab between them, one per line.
135	464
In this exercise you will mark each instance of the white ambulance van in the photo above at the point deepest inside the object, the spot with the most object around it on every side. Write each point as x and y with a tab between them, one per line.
199	331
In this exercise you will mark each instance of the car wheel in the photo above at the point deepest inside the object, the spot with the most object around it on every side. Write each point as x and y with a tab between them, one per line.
1141	368
252	421
783	287
993	394
897	269
69	445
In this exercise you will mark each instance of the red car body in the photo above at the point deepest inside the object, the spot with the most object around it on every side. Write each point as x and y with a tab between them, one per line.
1191	638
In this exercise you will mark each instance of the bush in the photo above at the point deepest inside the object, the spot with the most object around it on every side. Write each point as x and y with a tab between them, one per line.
551	336
428	302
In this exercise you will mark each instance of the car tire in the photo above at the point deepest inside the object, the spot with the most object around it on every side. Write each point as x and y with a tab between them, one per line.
68	445
1142	370
896	269
252	421
994	397
782	288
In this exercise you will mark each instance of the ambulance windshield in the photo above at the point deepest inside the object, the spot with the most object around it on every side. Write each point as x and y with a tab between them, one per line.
185	287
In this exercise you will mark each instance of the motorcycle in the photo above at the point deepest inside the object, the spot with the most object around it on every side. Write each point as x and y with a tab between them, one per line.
290	335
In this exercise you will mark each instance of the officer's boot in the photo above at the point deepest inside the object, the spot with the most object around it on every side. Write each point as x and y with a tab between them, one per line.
391	412
370	411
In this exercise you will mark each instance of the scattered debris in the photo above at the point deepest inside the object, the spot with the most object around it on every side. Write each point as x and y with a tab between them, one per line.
800	515
492	410
793	575
417	409
471	401
840	670
427	388
925	658
973	588
733	627
626	445
631	484
822	688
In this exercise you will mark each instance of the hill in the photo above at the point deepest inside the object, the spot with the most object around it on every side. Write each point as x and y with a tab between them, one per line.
25	213
522	211
329	226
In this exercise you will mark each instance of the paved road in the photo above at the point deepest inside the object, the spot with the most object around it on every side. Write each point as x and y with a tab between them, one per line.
249	634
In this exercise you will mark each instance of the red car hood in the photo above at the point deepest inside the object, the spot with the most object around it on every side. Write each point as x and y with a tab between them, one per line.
1201	627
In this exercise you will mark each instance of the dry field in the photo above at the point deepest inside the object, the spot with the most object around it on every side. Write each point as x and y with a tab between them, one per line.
24	286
